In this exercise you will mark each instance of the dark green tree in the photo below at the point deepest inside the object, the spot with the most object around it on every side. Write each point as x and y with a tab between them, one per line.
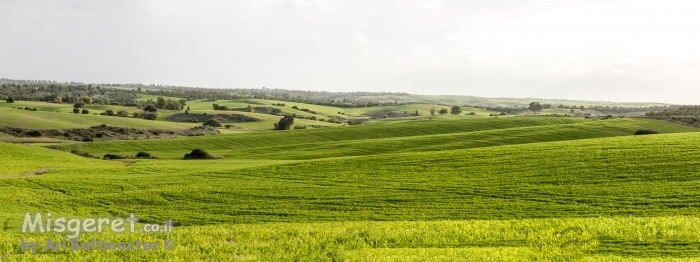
285	123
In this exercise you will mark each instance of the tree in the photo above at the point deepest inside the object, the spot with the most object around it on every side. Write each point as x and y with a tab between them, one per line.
416	113
85	111
535	107
443	111
456	110
212	123
109	113
150	108
250	109
432	111
123	113
87	100
160	103
79	105
285	123
58	99
10	100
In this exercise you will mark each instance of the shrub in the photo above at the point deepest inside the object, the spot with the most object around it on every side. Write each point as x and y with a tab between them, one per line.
300	127
455	110
198	154
150	108
34	133
10	100
472	113
112	156
79	105
85	111
149	115
645	132
110	113
76	110
143	155
122	113
285	123
443	111
228	126
212	123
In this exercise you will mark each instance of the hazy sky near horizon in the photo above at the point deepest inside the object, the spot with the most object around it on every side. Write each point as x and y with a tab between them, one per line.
613	50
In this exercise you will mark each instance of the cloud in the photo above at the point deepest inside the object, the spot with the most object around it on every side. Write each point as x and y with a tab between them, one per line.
451	37
431	3
306	4
361	39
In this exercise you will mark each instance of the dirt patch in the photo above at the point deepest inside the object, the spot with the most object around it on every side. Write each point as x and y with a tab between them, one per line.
201	118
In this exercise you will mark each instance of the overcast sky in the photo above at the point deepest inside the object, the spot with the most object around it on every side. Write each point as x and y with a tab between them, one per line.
613	50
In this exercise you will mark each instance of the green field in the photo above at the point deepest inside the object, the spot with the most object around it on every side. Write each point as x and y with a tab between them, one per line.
452	188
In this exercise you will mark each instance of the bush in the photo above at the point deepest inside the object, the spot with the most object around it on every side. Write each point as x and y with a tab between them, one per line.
472	113
300	127
110	113
34	133
123	113
76	110
10	100
143	155
198	154
148	115
85	111
150	108
79	105
285	123
112	156
645	132
212	123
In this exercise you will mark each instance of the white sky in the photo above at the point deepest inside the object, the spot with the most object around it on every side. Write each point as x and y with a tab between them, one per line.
574	49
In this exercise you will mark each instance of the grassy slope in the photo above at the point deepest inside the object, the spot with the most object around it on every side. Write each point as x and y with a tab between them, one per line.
56	120
541	185
17	159
291	137
608	176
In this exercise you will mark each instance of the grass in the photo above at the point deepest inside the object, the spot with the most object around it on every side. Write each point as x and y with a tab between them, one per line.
61	120
350	133
462	189
580	239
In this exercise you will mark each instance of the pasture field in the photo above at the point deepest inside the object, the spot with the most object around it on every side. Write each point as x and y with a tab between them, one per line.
452	189
62	120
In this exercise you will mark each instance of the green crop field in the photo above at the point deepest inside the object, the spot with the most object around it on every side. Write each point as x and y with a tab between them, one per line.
450	188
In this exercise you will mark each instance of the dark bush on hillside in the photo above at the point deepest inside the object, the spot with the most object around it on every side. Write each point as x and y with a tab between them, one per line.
79	105
148	115
285	123
10	100
34	133
645	132
76	110
112	156
150	108
110	113
198	154
143	155
212	123
123	113
300	127
85	111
